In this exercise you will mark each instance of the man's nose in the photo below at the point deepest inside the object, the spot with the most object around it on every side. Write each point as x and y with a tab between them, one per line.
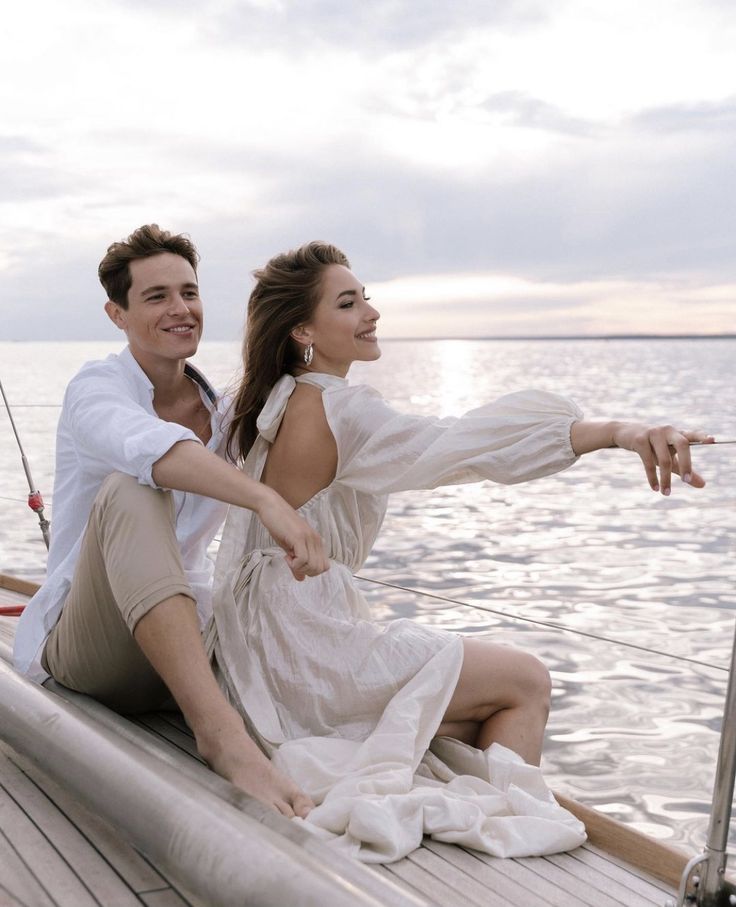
178	305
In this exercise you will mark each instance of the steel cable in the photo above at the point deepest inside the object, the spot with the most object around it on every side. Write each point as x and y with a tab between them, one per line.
548	624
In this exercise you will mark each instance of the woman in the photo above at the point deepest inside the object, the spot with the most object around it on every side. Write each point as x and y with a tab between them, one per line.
346	707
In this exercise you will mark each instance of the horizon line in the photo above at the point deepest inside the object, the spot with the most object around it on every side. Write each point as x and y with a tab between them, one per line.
728	336
505	337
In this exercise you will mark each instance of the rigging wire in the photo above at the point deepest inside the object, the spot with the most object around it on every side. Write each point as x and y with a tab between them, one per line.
22	501
35	500
548	624
541	623
517	617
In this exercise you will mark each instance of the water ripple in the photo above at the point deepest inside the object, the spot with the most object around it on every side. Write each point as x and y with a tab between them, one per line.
592	549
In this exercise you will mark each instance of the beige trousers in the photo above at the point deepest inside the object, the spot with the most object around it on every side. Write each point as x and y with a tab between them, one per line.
129	562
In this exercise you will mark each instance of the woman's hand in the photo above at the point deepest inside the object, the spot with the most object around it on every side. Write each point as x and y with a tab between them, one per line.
664	448
305	550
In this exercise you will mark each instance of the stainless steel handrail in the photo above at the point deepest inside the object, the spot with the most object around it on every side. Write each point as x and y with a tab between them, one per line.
207	842
711	888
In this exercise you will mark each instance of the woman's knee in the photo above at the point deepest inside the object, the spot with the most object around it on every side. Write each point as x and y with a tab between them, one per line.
539	681
498	677
529	679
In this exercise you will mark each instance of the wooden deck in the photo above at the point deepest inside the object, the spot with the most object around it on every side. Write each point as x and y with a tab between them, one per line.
55	853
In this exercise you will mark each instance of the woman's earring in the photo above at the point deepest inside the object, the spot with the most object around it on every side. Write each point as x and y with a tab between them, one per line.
309	354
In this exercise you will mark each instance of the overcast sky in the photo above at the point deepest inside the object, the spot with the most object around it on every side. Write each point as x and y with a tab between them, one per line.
491	167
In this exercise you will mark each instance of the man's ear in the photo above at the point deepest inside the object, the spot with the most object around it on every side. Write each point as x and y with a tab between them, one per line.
115	314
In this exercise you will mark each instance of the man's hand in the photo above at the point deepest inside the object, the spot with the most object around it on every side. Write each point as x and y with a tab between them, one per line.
188	466
305	550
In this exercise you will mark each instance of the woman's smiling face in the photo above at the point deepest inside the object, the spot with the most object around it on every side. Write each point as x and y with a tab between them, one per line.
343	326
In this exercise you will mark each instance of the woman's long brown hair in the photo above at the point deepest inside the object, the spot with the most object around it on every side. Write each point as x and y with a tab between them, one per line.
286	292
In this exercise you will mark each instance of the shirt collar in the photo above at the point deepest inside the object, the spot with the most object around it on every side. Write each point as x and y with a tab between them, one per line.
131	363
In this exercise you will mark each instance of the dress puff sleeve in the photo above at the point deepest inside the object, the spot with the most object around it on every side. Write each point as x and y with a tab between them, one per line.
520	436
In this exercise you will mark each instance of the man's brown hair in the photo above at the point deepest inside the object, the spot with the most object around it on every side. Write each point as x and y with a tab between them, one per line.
148	240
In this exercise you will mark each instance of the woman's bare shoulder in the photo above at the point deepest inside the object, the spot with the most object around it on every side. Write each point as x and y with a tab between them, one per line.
303	457
306	409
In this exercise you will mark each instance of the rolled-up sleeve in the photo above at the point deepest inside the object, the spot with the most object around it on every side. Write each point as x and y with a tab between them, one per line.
114	433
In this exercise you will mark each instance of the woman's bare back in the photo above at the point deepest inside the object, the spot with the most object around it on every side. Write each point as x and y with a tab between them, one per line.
303	457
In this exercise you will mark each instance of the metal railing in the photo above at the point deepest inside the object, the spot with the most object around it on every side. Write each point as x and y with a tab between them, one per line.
704	882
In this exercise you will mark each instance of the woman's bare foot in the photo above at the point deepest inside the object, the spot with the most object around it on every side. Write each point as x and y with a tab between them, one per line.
235	756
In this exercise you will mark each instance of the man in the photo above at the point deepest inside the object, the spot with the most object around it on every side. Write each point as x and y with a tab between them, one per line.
128	588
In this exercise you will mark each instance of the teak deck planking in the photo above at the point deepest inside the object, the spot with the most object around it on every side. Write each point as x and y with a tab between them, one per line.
54	852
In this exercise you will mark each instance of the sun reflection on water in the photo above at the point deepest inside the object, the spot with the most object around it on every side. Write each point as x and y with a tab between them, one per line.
591	548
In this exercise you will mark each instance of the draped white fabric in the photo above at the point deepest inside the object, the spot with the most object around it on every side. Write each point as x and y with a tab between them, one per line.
349	707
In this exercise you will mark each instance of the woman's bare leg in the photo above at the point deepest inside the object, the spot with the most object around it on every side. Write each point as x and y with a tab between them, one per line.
170	638
467	731
505	695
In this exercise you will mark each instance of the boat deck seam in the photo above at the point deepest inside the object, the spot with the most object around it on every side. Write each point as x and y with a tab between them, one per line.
438	872
74	869
466	859
45	790
28	820
529	879
612	869
21	859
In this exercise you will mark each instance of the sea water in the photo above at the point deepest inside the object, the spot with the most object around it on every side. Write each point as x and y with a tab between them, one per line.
617	569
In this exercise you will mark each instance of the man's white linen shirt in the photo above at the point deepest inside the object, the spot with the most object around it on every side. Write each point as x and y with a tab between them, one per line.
108	424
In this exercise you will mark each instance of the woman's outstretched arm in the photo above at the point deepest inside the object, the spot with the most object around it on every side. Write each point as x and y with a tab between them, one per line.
664	448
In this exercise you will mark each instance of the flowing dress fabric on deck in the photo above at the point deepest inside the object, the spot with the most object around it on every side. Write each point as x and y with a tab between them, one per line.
346	706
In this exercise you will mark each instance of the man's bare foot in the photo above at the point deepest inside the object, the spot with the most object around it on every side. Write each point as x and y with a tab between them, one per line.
235	756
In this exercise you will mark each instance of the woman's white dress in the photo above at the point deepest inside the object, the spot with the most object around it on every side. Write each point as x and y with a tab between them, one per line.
348	707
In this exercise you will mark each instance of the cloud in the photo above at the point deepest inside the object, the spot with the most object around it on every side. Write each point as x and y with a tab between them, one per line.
702	118
26	173
379	26
623	209
60	297
21	182
630	213
471	138
13	144
466	305
521	109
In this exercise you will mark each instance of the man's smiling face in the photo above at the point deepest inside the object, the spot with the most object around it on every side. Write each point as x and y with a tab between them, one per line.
164	316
